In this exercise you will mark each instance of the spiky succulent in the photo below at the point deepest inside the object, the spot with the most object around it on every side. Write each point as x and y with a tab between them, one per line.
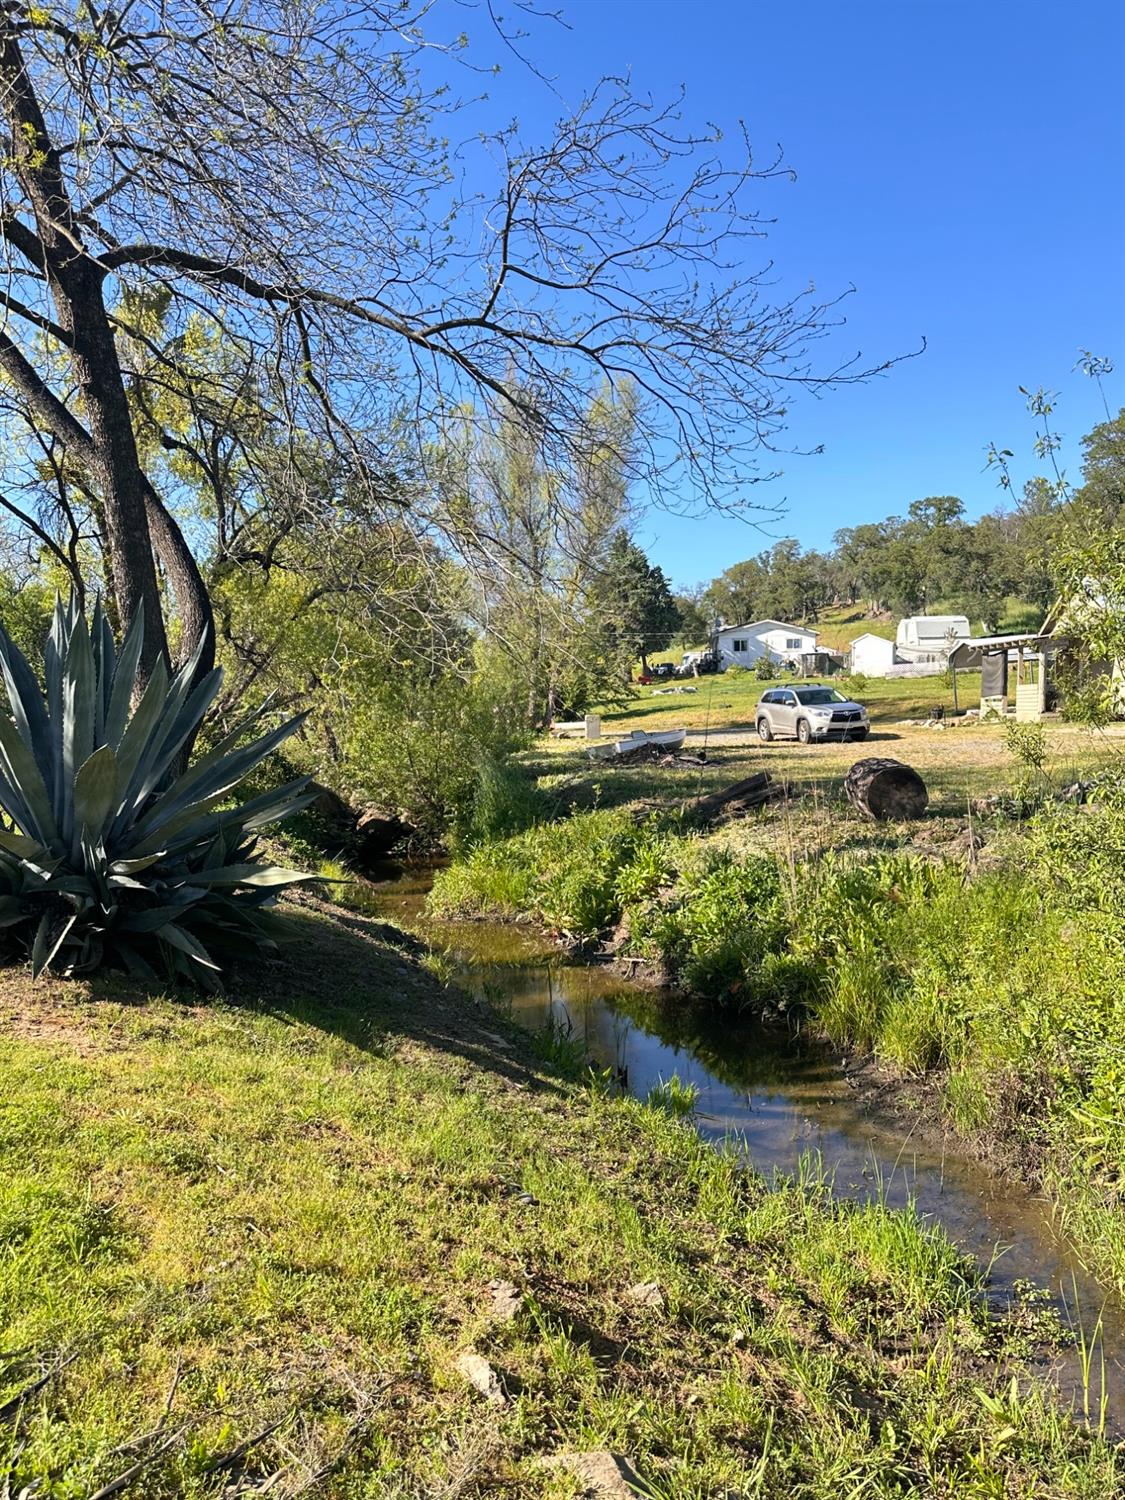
117	853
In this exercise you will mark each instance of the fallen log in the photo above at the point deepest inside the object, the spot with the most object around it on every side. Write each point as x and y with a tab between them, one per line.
733	800
884	789
738	798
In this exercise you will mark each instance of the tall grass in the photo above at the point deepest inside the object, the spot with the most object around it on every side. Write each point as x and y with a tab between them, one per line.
1007	988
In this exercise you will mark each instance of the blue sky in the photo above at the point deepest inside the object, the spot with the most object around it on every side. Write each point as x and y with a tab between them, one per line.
962	164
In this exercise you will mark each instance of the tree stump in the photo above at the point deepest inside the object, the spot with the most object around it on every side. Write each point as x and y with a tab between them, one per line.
883	789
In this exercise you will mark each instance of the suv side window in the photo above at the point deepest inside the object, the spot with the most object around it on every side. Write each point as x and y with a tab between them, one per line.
789	699
770	697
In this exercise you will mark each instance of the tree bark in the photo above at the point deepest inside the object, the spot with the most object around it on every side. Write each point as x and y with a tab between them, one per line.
132	518
885	789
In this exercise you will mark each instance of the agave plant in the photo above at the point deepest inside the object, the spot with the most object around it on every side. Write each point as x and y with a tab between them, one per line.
116	852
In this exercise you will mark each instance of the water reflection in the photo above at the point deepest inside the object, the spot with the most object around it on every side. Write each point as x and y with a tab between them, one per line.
780	1096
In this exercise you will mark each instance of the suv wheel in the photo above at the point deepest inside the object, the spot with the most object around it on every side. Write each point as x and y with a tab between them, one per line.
765	733
804	733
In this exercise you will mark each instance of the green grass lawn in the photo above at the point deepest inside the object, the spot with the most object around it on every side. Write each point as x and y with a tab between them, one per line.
246	1245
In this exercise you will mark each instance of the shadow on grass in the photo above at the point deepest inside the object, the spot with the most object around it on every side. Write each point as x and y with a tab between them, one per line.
361	980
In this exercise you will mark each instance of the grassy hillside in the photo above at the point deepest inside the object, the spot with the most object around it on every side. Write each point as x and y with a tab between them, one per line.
837	628
248	1247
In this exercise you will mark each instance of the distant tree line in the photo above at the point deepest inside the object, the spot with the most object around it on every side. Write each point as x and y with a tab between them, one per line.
1011	561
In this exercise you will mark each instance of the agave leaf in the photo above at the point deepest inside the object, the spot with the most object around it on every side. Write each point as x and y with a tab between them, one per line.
216	856
271	807
124	680
54	653
154	917
18	843
26	782
168	745
218	778
96	791
279	810
79	687
105	659
40	945
28	708
251	875
145	774
139	730
178	938
204	764
135	964
95	864
135	866
44	950
178	833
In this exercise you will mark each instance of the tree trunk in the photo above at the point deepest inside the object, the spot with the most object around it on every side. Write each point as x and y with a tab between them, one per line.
885	789
193	602
132	519
77	291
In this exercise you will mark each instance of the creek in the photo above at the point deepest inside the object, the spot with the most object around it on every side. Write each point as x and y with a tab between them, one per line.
786	1096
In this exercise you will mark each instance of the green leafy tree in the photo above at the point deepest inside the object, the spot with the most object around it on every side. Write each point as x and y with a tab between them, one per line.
735	597
633	610
693	624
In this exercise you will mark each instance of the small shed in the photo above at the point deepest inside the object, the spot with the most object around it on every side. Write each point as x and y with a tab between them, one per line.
820	663
873	655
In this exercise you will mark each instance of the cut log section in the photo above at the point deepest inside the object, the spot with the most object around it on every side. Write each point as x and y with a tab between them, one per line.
884	789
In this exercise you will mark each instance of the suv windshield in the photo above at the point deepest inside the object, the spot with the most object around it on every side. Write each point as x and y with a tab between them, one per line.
816	695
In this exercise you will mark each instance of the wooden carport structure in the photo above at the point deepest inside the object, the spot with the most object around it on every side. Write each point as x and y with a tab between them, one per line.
993	654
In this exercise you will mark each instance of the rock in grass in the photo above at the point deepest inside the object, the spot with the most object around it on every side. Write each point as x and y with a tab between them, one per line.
506	1300
605	1475
482	1377
645	1294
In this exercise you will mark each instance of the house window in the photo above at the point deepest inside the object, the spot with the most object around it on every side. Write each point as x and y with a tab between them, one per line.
793	643
739	645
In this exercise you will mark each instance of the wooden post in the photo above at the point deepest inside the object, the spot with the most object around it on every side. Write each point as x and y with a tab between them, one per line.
953	669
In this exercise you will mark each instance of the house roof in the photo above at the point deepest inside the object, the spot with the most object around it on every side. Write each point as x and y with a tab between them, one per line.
870	635
758	625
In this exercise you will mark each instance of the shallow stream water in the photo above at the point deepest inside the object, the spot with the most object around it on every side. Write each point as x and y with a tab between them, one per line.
784	1097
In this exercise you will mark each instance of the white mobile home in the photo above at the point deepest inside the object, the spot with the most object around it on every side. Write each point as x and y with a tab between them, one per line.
872	655
930	637
743	645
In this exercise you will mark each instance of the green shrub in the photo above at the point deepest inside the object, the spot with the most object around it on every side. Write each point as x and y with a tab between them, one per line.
115	853
430	748
565	874
765	668
1027	743
504	801
723	919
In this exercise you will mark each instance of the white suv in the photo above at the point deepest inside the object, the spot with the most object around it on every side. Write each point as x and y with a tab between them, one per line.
810	712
